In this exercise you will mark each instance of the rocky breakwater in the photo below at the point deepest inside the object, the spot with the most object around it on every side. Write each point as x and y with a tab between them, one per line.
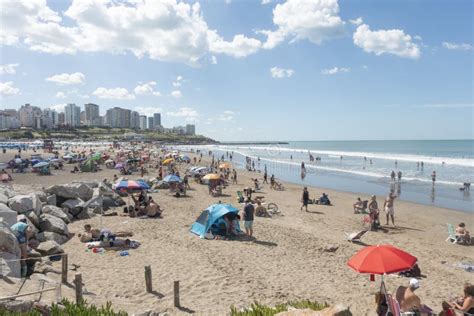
48	213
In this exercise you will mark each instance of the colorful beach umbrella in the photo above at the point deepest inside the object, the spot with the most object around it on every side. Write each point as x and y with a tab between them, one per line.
211	176
381	259
167	161
41	164
131	185
172	178
225	165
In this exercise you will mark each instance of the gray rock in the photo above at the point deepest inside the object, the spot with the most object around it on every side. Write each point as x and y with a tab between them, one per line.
50	223
17	306
49	248
33	218
72	191
45	236
25	203
10	250
7	191
41	195
51	200
7	215
56	211
85	214
3	198
95	202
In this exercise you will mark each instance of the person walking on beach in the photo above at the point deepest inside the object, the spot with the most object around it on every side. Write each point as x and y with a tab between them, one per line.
234	176
389	209
305	199
265	176
249	212
433	177
399	176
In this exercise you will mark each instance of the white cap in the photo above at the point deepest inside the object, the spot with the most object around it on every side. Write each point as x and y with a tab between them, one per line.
21	218
414	283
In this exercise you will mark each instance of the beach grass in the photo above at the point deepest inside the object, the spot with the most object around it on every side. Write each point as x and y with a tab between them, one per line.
257	309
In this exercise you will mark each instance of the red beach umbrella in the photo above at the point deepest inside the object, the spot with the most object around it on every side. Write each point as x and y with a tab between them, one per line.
381	259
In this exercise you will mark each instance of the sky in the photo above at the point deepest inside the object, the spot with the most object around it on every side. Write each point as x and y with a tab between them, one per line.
250	70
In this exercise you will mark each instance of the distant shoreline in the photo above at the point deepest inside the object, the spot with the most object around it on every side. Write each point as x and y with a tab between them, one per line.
252	143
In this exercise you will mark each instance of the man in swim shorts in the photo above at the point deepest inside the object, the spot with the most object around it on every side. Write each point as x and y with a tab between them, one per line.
388	208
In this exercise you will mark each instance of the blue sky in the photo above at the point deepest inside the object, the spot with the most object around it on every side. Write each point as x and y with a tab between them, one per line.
250	70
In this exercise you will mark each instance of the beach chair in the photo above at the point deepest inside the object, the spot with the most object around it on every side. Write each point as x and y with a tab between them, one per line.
356	236
452	234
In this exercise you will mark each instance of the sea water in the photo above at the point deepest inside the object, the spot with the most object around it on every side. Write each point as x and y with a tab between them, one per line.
364	167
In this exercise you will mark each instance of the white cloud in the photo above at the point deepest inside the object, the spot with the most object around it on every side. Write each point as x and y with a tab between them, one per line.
241	46
113	93
7	89
147	110
178	82
176	94
213	60
266	2
60	95
58	107
334	71
189	114
281	72
67	79
225	116
8	69
449	105
168	30
313	20
458	46
146	89
357	21
394	42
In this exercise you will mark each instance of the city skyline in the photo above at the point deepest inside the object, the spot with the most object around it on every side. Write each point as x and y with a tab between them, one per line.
238	69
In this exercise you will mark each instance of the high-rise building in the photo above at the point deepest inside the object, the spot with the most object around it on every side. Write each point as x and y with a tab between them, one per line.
118	118
72	114
92	114
190	129
143	120
156	120
61	118
134	120
28	115
50	119
151	123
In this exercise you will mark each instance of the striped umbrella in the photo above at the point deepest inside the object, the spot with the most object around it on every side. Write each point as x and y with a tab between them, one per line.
172	178
131	185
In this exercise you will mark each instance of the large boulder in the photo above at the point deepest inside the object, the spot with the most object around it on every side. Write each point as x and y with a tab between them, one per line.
50	223
7	215
33	218
9	252
3	198
7	191
51	200
72	191
336	310
45	236
17	306
49	248
24	203
56	211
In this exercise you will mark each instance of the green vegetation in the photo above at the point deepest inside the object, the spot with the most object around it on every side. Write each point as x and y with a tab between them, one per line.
70	309
257	309
101	133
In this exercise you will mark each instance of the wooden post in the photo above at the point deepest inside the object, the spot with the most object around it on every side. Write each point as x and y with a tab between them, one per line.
176	294
78	284
148	282
64	269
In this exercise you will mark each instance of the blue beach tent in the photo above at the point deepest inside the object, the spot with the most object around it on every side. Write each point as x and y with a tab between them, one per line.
209	216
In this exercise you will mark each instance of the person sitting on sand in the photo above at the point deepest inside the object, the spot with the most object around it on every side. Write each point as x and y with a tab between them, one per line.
324	199
261	211
464	304
75	170
94	234
406	297
153	209
358	206
115	178
462	234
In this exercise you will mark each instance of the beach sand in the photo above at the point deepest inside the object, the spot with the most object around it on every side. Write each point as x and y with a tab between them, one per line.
286	262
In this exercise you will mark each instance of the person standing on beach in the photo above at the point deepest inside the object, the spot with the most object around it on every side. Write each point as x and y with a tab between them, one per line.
272	181
433	177
392	175
265	176
305	199
249	211
399	176
388	207
234	177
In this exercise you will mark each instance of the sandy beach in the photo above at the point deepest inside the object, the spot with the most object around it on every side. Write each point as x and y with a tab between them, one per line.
286	262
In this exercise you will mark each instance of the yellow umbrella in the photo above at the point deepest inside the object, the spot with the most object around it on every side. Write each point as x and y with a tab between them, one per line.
211	176
225	165
168	161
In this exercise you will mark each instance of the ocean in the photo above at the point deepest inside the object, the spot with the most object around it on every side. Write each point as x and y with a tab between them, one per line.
364	167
